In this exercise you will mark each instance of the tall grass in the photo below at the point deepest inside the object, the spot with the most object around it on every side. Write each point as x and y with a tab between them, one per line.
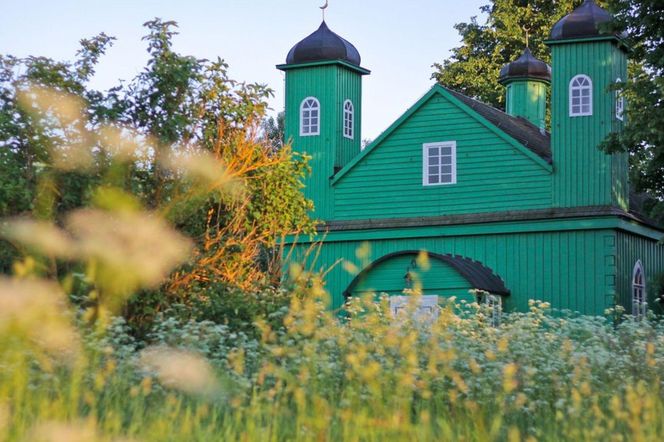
535	377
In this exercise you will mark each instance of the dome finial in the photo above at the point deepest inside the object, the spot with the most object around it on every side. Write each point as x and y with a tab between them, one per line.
324	7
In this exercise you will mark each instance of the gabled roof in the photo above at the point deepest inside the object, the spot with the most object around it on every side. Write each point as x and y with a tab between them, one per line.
522	130
519	132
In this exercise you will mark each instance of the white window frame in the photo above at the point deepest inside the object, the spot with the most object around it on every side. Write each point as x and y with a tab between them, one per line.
639	294
425	162
620	103
349	120
493	304
428	308
573	88
302	117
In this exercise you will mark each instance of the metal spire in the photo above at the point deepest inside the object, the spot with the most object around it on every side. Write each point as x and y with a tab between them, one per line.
323	8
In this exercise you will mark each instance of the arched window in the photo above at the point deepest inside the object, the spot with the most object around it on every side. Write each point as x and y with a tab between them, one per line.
349	119
639	300
620	103
580	96
309	117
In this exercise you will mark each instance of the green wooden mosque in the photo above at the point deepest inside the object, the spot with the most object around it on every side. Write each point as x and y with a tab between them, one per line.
498	203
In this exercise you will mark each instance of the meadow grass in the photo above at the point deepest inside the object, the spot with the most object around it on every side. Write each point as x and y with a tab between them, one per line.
537	376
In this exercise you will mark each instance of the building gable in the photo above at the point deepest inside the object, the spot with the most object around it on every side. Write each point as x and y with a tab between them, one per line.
495	172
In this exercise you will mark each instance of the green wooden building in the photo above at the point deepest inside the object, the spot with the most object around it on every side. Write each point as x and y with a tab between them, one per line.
497	202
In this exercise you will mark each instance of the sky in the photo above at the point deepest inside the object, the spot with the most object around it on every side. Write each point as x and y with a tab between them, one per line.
398	40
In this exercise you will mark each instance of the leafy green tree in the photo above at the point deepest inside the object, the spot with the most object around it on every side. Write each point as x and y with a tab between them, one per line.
273	130
643	134
176	106
474	66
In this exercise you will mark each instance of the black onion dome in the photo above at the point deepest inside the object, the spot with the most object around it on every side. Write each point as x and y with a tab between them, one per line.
584	21
526	66
323	45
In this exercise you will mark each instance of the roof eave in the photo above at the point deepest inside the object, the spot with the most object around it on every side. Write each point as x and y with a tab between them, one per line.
360	70
620	42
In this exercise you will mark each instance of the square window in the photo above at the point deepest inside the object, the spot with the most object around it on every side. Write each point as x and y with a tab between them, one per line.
439	163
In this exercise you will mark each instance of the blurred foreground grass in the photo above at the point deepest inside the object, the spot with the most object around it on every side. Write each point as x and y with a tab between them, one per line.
536	377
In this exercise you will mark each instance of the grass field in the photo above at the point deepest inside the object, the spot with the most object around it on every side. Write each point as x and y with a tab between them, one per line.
538	376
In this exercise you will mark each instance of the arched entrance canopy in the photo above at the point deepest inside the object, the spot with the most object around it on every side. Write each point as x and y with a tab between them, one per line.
477	274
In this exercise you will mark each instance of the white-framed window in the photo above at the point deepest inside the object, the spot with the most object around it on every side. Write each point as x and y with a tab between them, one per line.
439	163
349	119
639	299
309	117
492	306
580	96
620	103
427	308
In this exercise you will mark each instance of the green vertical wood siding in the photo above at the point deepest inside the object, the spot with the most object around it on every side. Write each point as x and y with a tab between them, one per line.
439	279
570	269
492	175
349	87
629	249
331	84
584	175
527	98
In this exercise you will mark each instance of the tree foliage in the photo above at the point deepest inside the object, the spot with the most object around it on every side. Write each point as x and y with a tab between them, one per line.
55	133
474	66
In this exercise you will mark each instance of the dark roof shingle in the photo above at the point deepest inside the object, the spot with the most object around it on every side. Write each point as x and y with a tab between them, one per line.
522	130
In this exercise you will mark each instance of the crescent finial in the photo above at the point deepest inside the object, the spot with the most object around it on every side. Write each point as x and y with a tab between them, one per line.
324	7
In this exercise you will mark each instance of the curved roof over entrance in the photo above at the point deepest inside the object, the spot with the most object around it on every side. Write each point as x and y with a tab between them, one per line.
477	274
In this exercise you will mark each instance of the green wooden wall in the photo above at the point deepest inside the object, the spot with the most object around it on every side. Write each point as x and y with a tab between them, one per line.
584	175
437	279
492	175
572	269
331	84
629	249
527	98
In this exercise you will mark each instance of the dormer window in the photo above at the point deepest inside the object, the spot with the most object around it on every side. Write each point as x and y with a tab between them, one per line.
580	96
620	103
439	161
309	117
349	119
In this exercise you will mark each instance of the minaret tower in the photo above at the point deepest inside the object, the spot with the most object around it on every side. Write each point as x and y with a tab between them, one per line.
323	109
527	80
586	62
